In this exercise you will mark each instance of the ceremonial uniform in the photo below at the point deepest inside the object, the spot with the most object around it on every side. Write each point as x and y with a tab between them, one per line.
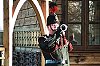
55	54
55	45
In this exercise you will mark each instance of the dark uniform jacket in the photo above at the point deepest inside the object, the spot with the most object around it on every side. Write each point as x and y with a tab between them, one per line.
55	50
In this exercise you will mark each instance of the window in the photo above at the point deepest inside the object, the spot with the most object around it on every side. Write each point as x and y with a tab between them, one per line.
74	21
83	19
94	25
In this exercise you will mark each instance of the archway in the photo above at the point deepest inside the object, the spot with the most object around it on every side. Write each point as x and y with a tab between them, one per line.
38	11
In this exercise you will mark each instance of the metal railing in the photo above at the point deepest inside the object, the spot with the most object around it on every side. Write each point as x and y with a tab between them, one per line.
26	51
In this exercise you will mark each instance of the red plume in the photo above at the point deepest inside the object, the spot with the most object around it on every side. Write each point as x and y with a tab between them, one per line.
54	9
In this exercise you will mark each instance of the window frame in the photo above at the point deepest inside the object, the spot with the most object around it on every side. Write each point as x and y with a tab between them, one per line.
84	26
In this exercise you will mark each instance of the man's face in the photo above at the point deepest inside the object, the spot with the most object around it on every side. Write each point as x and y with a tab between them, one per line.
54	26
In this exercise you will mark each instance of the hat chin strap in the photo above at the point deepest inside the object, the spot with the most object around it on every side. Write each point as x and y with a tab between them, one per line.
51	28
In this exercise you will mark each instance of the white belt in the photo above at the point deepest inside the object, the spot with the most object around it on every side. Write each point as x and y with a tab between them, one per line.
56	62
52	61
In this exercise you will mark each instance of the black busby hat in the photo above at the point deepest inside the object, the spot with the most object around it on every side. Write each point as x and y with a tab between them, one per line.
52	4
52	19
